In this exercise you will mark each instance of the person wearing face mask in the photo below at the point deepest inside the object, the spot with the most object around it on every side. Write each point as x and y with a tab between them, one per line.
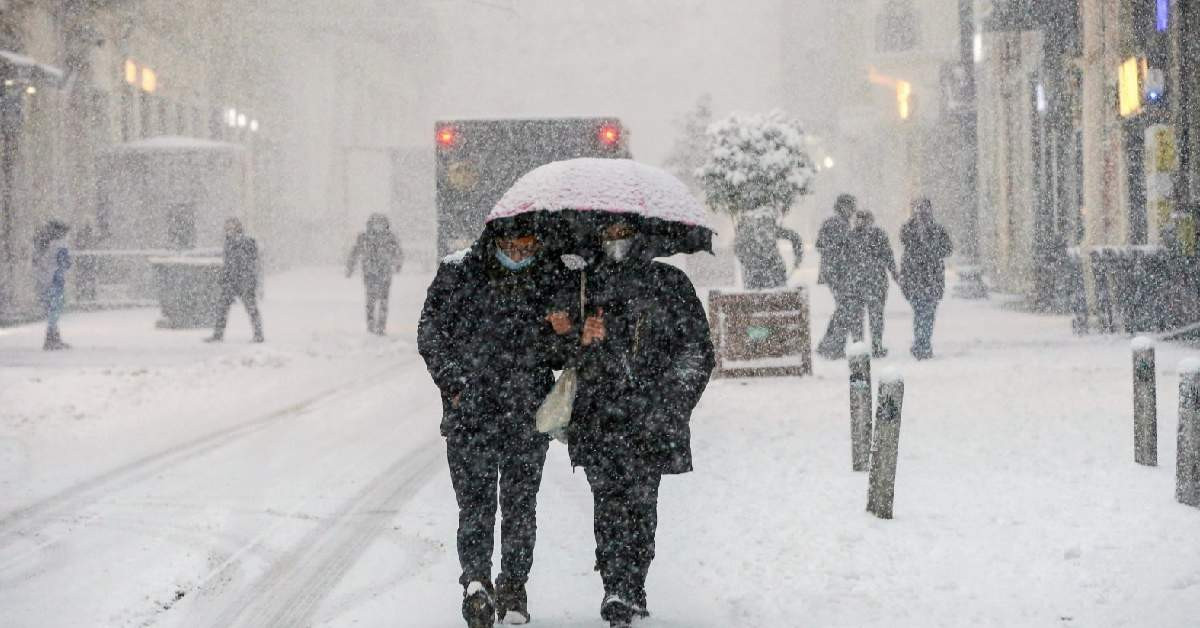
482	333
381	257
644	359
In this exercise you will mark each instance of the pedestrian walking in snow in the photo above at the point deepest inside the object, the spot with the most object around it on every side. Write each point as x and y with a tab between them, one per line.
381	257
923	272
757	248
485	339
834	243
239	279
51	260
873	263
645	356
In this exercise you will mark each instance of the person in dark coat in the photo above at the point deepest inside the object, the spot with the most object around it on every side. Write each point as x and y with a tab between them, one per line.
923	272
834	243
239	279
485	339
644	359
381	257
873	265
756	246
51	261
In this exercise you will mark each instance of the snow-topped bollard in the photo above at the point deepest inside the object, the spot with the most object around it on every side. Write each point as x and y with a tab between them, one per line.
859	357
1187	460
885	444
1145	403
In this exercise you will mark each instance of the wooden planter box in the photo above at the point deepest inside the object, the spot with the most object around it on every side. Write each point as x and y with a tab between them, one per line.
761	334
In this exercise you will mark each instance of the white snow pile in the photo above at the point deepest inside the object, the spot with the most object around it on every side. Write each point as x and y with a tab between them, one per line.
1189	366
1142	343
456	257
755	161
891	375
621	186
858	350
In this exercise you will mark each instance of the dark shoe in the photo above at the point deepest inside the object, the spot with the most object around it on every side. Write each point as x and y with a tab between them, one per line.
922	354
639	604
879	353
512	604
214	339
257	338
617	611
479	605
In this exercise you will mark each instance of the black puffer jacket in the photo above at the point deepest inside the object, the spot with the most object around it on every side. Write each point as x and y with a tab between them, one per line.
637	388
240	270
484	337
923	265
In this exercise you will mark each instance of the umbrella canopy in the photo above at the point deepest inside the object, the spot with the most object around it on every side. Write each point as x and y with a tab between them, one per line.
585	191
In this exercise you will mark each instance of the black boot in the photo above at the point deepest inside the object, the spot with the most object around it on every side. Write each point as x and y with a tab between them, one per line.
617	611
479	604
53	341
512	604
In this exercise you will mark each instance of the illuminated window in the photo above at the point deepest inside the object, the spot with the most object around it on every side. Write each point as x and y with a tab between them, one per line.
149	80
131	72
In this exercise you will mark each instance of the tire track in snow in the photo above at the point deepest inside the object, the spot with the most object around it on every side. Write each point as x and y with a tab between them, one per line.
292	589
24	522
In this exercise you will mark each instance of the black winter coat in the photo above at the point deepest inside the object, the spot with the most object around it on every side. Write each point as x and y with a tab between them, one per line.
872	261
239	272
381	255
637	388
923	266
484	336
756	246
833	241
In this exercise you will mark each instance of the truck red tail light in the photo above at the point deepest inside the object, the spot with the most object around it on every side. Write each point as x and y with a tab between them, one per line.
609	135
447	137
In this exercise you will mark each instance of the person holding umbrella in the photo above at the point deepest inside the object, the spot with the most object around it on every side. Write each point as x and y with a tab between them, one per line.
486	342
643	353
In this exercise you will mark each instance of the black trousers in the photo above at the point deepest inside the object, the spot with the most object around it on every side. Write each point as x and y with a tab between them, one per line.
848	309
378	291
477	464
249	299
625	511
873	304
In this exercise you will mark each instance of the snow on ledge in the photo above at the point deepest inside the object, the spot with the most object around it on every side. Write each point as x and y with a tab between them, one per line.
1190	366
1142	343
858	350
891	375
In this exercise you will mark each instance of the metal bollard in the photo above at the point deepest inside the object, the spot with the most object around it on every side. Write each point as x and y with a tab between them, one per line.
1187	459
859	357
1145	403
885	445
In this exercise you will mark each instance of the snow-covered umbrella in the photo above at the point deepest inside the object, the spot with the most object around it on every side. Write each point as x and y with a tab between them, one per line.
580	192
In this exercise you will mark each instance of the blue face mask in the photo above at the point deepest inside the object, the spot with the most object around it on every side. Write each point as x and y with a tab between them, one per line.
512	265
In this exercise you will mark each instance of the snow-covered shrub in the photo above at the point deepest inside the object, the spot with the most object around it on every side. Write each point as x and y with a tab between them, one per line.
755	161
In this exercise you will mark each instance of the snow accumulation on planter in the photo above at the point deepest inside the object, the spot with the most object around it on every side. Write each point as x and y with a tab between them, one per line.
1142	343
858	350
1190	366
890	375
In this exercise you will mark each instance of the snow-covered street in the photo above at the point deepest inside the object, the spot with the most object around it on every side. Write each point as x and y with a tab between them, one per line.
149	479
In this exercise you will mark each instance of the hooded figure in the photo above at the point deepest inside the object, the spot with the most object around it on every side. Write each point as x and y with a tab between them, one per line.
835	244
239	279
873	263
51	260
484	337
644	356
381	257
756	246
923	272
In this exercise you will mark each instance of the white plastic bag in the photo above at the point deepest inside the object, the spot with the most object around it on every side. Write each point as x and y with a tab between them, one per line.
555	412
